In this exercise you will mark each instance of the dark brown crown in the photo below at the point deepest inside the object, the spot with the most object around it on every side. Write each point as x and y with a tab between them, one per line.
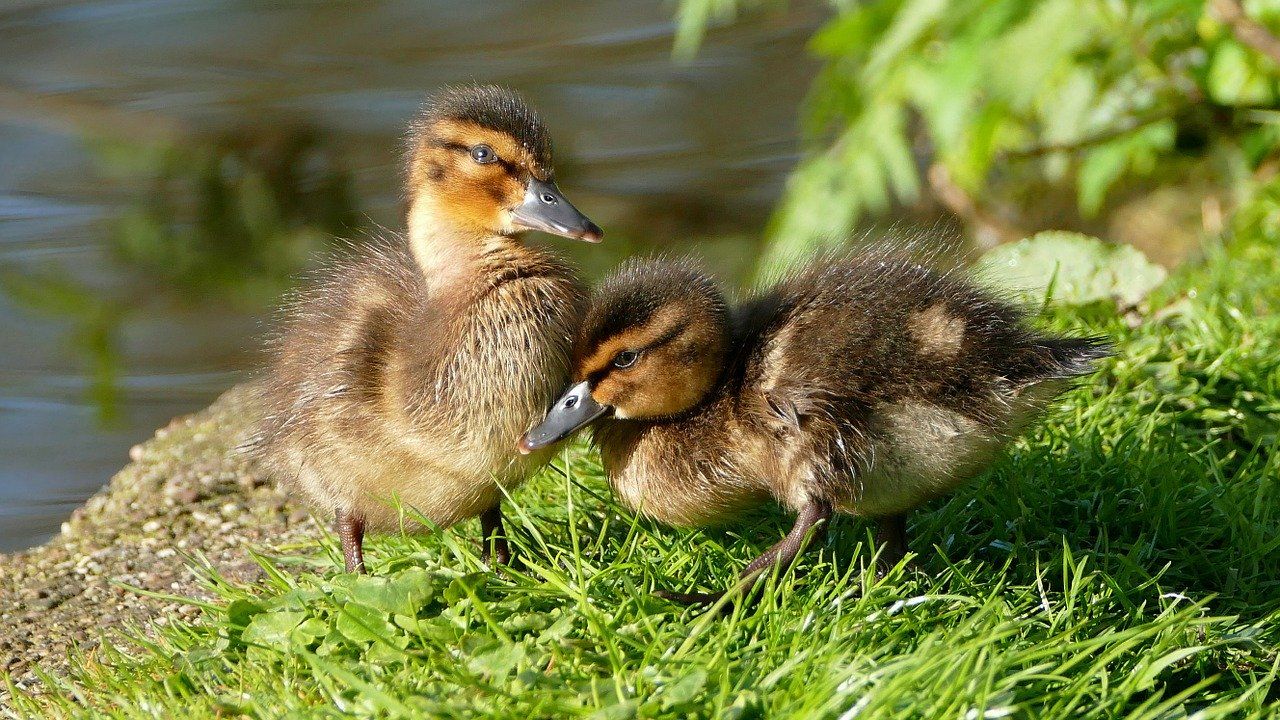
489	106
635	291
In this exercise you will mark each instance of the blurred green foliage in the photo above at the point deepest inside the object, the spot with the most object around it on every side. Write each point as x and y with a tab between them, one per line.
1012	103
1074	269
94	326
225	220
233	217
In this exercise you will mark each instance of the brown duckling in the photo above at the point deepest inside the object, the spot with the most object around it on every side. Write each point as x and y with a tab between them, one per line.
408	371
865	384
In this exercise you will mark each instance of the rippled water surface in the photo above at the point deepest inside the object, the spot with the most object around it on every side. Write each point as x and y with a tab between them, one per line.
100	345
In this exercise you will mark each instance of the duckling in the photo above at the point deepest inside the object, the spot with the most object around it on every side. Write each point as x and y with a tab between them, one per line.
865	384
410	368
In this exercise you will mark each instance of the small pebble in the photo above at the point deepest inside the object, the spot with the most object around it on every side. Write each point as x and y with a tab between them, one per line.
204	518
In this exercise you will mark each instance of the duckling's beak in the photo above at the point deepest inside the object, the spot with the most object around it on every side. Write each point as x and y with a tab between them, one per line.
575	409
545	208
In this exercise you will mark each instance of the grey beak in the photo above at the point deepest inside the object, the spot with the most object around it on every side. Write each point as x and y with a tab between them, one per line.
575	409
545	208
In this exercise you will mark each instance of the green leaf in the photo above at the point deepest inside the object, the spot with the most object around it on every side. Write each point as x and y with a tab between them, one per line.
623	710
685	689
1077	268
361	623
1134	152
273	630
1055	29
240	612
405	593
498	661
693	17
1235	78
1159	665
1099	170
297	599
459	587
310	629
558	631
910	24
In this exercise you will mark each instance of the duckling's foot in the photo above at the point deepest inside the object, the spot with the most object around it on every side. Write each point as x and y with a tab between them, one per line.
350	530
493	539
499	555
810	521
891	538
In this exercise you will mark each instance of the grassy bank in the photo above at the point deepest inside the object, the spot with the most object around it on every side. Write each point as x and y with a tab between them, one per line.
1122	561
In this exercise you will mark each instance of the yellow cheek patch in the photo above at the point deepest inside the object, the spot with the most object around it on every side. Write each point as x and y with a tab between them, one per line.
469	194
657	399
937	332
610	391
660	386
469	206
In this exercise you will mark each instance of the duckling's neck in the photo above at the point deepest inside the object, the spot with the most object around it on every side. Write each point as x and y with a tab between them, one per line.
444	251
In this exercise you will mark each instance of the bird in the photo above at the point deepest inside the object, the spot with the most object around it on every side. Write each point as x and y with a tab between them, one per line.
403	374
863	382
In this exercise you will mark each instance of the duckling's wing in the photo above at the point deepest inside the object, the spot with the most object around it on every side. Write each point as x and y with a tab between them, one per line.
335	337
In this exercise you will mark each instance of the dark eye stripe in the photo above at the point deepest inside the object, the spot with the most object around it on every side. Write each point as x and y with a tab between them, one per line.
509	167
663	339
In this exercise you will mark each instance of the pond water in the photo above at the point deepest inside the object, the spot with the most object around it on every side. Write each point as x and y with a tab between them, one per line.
105	337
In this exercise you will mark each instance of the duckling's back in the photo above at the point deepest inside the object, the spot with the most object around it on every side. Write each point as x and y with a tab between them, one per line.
387	384
891	382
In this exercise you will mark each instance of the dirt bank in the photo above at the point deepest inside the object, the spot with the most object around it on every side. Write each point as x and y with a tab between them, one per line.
185	495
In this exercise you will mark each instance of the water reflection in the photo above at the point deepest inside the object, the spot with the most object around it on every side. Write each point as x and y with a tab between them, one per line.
167	165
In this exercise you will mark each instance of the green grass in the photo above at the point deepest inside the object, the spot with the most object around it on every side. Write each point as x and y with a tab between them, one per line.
1123	560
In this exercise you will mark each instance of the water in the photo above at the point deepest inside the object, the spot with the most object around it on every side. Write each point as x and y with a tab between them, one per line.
101	345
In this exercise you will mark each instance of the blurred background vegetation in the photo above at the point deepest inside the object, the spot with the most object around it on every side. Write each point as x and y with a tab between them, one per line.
171	167
1148	122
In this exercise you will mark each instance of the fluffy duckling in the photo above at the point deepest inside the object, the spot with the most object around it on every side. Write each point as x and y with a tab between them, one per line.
861	384
409	370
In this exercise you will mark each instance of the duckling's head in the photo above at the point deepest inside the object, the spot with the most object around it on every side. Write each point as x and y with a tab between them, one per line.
480	164
652	345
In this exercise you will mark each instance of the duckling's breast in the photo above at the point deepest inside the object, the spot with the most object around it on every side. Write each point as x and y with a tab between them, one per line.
508	360
685	472
408	392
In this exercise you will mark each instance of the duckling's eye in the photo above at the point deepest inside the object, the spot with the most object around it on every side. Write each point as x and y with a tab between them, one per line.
483	154
625	359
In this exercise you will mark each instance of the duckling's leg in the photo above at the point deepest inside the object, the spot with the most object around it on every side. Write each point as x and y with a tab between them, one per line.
493	536
891	538
782	553
351	533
